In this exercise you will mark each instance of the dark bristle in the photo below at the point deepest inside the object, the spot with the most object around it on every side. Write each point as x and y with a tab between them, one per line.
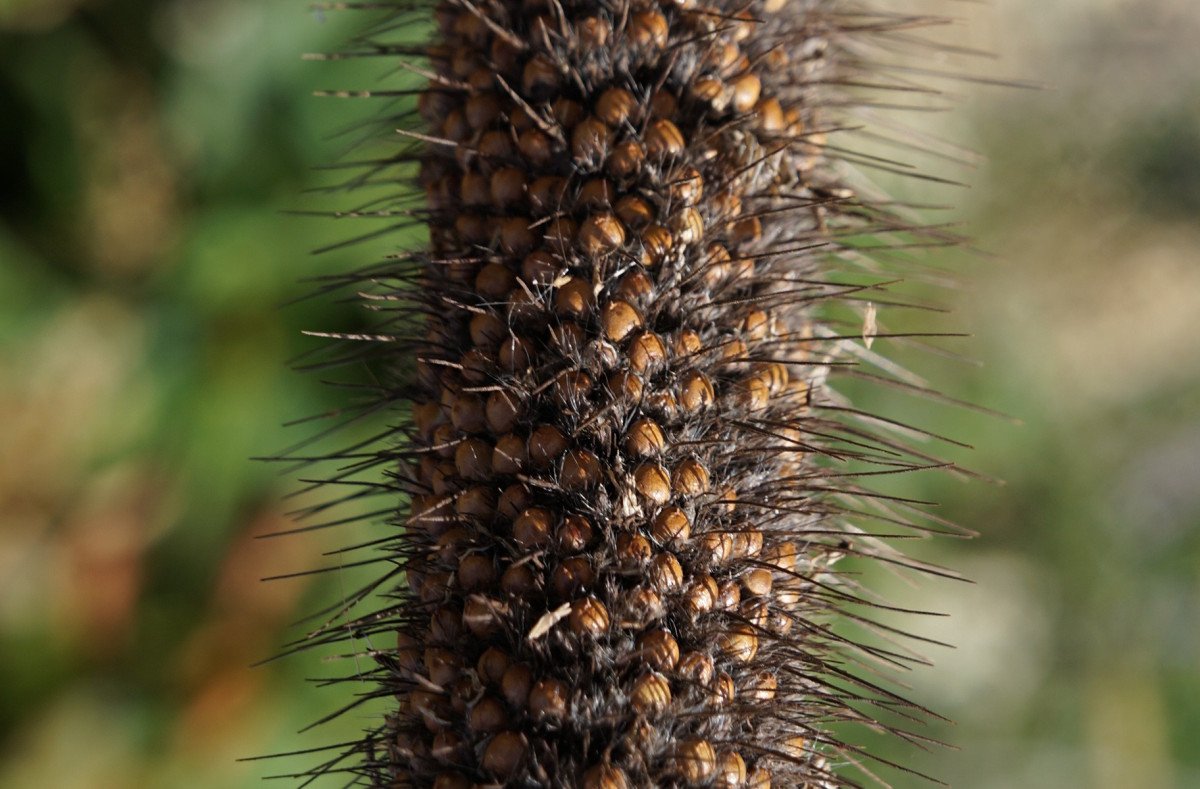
621	482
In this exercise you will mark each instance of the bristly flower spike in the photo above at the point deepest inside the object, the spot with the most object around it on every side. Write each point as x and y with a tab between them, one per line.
620	479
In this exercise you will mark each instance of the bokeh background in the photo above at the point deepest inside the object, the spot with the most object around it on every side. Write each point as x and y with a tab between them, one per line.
148	152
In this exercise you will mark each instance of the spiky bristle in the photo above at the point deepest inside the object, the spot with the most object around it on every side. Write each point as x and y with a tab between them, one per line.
622	478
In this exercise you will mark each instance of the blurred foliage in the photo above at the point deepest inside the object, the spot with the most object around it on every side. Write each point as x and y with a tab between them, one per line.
150	151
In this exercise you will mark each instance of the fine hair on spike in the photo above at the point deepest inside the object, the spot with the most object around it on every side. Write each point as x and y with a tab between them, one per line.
616	487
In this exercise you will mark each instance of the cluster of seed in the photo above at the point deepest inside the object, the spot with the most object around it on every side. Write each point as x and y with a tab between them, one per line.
612	555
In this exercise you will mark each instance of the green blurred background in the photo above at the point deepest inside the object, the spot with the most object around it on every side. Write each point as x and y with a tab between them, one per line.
148	151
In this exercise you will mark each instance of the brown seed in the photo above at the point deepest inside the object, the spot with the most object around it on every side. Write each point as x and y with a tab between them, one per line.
653	482
739	643
663	139
647	352
665	574
644	439
590	142
531	530
548	700
481	109
635	212
476	572
687	187
477	368
573	299
782	556
694	761
516	237
540	76
756	612
690	478
696	392
442	666
519	580
633	550
495	281
657	242
642	607
515	354
482	616
516	684
600	234
763	686
486	331
467	414
473	459
659	650
770	115
747	543
507	186
580	470
604	776
546	444
649	29
536	147
571	389
746	91
758	778
670	527
596	193
651	694
487	715
448	747
504	754
731	770
495	145
473	228
663	104
501	412
514	500
575	533
560	234
757	581
540	267
492	664
625	160
635	287
446	626
571	576
455	127
408	653
588	617
569	337
688	226
567	112
546	194
451	781
753	393
746	231
701	595
773	374
474	189
626	386
713	92
723	689
696	667
615	106
509	455
593	32
729	595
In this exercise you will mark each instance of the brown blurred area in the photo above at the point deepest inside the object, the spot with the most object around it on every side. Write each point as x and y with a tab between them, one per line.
150	148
